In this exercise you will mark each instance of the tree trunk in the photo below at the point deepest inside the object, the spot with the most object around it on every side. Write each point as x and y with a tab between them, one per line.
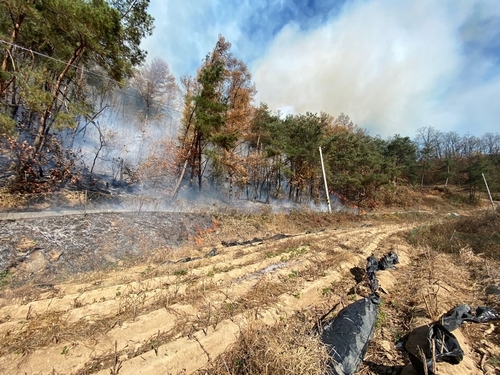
44	126
423	173
199	162
8	51
179	180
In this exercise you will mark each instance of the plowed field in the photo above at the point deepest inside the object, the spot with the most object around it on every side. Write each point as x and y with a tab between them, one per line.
177	310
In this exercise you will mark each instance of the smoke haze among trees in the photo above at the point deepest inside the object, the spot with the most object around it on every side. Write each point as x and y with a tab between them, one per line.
81	108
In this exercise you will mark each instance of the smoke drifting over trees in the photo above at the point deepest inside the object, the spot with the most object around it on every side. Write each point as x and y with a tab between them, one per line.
80	107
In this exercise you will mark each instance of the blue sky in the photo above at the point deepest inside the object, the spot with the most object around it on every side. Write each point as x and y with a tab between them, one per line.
392	65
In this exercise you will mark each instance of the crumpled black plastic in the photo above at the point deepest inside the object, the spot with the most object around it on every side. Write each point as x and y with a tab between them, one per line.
447	349
463	313
373	265
248	242
348	334
371	268
212	253
388	261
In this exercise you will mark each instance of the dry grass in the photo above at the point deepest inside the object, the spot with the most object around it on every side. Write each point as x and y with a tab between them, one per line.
44	329
285	348
398	196
440	282
11	201
51	327
265	224
480	232
434	283
63	198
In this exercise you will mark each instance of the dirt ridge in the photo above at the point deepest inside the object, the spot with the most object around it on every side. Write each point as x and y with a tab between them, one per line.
211	300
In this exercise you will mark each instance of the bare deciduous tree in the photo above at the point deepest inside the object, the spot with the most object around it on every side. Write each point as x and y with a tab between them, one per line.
157	90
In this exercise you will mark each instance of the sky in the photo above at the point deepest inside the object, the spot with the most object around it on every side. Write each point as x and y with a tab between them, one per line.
393	66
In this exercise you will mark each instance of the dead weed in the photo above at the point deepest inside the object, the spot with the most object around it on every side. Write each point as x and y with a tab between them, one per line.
287	348
479	232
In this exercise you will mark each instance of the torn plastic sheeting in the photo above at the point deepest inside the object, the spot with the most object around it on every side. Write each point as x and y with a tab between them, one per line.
446	349
388	261
348	334
371	269
240	243
212	253
463	313
373	265
187	259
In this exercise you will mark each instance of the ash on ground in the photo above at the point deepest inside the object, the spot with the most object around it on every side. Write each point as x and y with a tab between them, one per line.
40	248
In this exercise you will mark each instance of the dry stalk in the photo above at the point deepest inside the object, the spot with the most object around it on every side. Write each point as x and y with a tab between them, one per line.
201	346
424	361
207	320
54	333
433	348
284	348
431	304
117	364
156	343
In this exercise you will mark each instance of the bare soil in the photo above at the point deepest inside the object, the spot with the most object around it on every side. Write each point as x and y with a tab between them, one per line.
165	293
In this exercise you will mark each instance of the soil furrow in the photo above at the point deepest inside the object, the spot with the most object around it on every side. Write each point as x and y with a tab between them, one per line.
198	311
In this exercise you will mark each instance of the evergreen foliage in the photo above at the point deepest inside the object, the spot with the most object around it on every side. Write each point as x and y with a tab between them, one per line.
60	57
50	46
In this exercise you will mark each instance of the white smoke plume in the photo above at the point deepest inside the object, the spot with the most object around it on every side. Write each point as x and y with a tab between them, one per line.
391	65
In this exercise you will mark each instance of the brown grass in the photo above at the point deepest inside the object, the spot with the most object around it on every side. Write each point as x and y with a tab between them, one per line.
479	232
11	201
285	348
63	198
434	283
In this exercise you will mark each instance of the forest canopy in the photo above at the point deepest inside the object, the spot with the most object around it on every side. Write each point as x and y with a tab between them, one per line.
82	108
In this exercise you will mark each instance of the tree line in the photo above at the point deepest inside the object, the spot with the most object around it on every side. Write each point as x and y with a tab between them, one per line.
77	99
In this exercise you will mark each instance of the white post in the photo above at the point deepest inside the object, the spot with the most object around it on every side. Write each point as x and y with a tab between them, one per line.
324	178
487	188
